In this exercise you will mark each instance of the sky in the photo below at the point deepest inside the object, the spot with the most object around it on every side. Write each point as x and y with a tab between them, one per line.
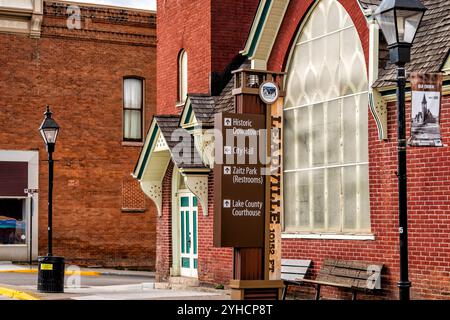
139	4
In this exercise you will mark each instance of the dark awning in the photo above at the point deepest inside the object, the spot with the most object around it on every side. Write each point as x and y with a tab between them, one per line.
13	179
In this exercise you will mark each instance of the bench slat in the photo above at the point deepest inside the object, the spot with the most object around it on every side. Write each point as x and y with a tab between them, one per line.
291	277
294	262
357	265
297	270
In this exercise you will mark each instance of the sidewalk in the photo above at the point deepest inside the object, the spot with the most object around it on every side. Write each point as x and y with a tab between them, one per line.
20	282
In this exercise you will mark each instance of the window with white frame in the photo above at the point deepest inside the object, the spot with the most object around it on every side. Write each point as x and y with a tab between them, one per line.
326	179
133	105
182	76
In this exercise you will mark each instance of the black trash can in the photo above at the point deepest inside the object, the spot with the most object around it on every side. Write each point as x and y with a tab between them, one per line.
51	274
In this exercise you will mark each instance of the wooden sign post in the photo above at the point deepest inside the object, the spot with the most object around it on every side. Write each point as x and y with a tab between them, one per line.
255	262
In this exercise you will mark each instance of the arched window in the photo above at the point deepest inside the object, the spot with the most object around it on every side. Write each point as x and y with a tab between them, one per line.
182	76
326	181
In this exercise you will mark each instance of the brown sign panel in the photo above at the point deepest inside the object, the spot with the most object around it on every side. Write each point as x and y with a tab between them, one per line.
239	183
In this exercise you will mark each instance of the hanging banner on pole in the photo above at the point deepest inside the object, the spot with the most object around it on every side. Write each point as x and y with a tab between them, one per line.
426	92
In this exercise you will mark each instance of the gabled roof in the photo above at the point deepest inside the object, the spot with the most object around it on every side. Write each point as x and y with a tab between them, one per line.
180	148
180	142
431	46
202	105
206	107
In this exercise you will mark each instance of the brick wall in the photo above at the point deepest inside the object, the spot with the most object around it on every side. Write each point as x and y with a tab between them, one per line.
164	227
231	24
428	200
215	264
79	73
210	43
182	25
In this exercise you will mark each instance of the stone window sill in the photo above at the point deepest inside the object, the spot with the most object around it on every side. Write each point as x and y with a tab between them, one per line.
132	144
180	104
327	236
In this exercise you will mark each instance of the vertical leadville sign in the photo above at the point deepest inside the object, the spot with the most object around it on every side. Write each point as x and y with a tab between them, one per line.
239	183
426	92
275	196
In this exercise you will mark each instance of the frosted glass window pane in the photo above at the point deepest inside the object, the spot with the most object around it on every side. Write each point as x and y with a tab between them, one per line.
349	113
352	67
333	199
333	125
350	179
296	187
296	135
334	14
289	193
289	128
318	178
328	71
302	182
318	19
318	138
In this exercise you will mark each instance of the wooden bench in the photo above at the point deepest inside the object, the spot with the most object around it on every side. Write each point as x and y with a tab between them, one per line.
293	272
353	275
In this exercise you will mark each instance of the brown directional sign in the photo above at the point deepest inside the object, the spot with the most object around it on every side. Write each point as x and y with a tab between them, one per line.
239	183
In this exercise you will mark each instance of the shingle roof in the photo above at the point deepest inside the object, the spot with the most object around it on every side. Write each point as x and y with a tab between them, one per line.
205	107
432	43
369	3
179	142
202	106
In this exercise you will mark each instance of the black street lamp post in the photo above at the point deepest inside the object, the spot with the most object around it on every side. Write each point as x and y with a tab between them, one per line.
51	269
399	21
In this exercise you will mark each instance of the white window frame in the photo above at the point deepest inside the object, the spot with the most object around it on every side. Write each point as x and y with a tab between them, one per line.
183	79
301	233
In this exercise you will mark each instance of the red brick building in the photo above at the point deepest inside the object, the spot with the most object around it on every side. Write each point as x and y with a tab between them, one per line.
339	132
95	66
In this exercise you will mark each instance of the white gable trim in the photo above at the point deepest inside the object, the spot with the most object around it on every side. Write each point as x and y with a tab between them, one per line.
264	30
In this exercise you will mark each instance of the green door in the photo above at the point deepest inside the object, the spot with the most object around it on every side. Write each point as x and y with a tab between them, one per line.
188	208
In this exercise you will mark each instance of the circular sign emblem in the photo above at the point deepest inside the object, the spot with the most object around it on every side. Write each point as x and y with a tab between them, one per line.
268	92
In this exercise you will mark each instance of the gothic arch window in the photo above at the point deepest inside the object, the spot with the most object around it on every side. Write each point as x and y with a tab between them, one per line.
182	76
326	179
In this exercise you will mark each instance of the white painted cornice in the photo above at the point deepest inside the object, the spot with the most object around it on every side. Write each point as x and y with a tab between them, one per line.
21	17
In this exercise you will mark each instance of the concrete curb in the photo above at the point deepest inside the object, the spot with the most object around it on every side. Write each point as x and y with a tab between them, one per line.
16	294
127	273
67	273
